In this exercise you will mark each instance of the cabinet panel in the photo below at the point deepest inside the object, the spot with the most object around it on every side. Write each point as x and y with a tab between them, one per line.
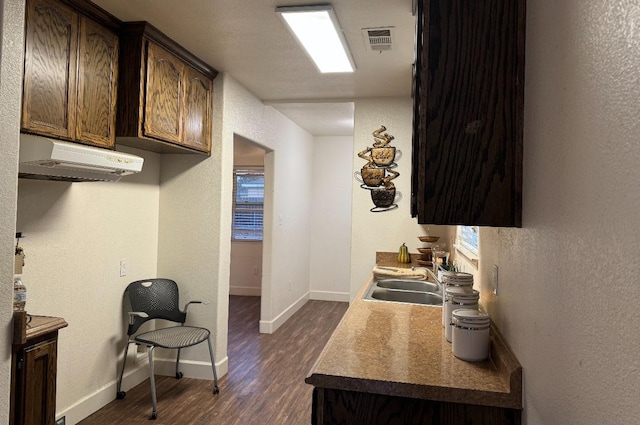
50	63
40	383
197	110
97	81
165	93
348	407
165	75
468	145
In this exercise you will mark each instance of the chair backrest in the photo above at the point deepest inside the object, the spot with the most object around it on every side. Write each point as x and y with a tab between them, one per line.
158	298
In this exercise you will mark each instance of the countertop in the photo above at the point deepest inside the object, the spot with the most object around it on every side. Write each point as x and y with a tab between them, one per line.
27	327
399	350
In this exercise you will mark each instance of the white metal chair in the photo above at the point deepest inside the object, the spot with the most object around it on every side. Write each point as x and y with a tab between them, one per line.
158	299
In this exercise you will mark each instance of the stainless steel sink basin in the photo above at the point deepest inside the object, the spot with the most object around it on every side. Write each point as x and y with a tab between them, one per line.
427	298
405	291
409	285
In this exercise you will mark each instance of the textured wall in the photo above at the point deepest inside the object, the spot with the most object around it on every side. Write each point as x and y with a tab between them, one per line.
569	285
11	34
330	248
76	235
287	205
383	231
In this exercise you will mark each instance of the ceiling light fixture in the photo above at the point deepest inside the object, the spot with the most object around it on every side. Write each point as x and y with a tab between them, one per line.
317	29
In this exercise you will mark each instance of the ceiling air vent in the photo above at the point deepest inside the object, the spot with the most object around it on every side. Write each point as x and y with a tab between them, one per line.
378	39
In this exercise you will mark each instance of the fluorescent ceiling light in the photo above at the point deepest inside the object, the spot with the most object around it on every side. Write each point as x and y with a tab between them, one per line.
317	29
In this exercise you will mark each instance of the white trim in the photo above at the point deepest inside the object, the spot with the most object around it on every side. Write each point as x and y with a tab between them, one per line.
246	291
330	296
191	368
468	255
163	366
270	326
93	402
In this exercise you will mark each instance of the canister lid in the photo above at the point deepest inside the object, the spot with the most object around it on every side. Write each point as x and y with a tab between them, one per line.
470	318
457	290
462	294
457	277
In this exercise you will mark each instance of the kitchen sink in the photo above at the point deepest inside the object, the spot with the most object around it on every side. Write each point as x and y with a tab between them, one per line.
408	285
412	297
405	291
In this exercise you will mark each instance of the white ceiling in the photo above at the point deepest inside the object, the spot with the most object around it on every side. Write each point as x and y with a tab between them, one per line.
246	39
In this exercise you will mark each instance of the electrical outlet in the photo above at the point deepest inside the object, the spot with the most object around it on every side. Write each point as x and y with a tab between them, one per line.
289	285
123	268
255	271
494	280
61	421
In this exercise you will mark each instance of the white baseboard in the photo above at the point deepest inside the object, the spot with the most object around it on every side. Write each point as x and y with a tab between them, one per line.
270	326
330	296
105	395
191	368
246	291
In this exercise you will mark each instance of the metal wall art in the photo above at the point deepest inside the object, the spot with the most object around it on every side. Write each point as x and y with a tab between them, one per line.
376	175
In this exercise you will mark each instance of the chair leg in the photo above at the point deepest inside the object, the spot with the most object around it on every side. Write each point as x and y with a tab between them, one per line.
152	380
178	373
216	390
119	393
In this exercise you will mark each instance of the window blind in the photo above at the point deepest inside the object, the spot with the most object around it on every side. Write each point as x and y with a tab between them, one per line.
248	204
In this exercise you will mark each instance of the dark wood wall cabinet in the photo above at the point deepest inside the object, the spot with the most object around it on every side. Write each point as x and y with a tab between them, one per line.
165	93
33	369
468	112
70	72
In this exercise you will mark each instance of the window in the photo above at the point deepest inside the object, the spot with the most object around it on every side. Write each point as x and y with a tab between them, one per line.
469	238
248	204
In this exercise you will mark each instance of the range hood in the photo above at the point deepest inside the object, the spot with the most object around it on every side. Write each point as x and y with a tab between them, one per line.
48	159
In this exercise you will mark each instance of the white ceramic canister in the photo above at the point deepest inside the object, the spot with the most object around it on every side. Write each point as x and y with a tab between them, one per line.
457	297
455	279
470	334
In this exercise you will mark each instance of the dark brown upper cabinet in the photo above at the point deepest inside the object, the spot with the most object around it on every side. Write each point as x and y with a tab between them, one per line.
70	72
468	112
165	93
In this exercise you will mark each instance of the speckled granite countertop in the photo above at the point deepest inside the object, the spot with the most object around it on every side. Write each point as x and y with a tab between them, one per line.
400	350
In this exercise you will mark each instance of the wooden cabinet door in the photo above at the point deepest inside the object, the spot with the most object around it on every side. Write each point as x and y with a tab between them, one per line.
471	106
164	103
97	79
197	110
48	103
40	383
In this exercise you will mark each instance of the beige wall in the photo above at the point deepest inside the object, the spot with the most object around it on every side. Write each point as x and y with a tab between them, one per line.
11	34
330	249
568	280
383	231
285	265
76	234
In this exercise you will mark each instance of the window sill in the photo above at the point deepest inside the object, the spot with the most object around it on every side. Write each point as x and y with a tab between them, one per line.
467	254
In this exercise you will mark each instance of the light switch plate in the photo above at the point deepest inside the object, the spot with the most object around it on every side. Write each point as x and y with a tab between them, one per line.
494	280
123	268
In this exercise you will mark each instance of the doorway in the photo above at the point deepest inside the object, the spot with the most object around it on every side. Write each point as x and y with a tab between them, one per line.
245	278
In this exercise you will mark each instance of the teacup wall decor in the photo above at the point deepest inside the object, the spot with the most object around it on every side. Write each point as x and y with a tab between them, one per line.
377	173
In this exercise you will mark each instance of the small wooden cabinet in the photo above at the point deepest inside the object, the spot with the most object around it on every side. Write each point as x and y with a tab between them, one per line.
165	97
468	112
33	369
70	75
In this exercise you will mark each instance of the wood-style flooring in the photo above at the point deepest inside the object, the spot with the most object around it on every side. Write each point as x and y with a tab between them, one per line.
265	383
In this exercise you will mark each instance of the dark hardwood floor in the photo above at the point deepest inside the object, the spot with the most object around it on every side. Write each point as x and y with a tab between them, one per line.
265	383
